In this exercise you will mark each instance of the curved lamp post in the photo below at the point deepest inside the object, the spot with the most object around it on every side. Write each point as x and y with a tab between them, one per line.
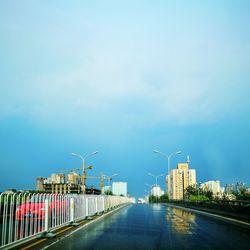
83	166
150	186
156	177
168	158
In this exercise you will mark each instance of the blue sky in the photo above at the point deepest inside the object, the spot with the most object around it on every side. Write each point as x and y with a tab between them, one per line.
124	78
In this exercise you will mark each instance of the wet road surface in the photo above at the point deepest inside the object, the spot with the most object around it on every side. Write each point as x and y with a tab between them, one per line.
143	226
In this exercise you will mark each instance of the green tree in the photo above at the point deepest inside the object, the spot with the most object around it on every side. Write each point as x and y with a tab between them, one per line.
242	194
152	199
198	198
108	192
164	198
190	190
208	194
196	193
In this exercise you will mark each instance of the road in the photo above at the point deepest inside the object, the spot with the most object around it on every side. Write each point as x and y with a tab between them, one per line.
157	226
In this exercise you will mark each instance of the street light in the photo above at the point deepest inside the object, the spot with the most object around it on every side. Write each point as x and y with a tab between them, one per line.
83	166
168	157
156	177
198	184
150	187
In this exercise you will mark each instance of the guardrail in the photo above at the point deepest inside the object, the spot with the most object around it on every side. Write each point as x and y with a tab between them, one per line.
237	208
230	205
23	216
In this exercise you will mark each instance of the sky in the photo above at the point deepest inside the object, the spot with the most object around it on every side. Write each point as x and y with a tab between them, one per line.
124	78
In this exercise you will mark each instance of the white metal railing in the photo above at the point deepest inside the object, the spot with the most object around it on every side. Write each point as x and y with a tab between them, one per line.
26	215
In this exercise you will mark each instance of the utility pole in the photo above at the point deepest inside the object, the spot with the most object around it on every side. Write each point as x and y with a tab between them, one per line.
84	168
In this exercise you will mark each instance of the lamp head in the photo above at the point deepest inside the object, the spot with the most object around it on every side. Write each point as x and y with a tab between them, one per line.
73	154
178	152
156	151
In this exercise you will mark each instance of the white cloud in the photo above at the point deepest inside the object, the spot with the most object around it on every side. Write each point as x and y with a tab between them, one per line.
96	88
139	75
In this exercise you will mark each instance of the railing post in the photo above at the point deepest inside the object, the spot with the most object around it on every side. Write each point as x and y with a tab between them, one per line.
87	207
46	215
89	204
96	205
46	233
72	207
108	203
72	213
103	203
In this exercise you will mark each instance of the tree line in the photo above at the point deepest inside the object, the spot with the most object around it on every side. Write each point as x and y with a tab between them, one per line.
192	193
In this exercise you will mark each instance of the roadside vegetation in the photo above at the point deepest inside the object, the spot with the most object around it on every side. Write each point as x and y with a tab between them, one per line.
242	194
197	194
108	192
162	199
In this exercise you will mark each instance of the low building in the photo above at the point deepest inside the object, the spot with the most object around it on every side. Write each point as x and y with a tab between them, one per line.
213	186
120	188
62	188
60	184
157	191
107	189
73	178
39	184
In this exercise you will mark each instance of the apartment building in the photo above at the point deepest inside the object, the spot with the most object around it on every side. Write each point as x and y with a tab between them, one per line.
179	180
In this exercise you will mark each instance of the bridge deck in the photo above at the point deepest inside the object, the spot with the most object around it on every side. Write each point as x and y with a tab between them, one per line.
155	226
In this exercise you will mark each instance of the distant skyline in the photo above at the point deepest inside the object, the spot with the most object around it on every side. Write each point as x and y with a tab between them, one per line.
124	78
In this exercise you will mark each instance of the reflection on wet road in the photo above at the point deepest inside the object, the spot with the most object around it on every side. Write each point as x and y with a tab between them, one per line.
156	226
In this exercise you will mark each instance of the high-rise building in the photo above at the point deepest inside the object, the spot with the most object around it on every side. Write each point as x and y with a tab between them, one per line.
229	188
213	186
179	180
119	188
238	187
